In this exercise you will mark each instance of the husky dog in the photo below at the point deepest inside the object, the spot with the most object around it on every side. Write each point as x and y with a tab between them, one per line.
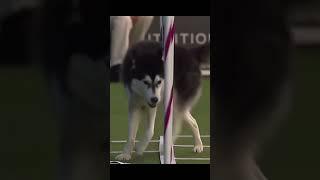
143	78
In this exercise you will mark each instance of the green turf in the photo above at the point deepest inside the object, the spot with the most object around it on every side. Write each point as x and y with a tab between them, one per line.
293	152
119	125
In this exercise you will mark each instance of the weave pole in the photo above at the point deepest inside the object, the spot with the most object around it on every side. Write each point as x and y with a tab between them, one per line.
167	33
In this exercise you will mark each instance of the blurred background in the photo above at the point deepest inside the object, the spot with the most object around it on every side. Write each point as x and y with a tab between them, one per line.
293	152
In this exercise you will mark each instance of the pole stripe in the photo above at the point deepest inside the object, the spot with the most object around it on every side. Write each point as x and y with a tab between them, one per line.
169	40
168	111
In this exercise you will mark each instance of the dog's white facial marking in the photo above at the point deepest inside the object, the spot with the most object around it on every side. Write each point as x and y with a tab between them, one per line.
148	88
138	87
154	90
158	84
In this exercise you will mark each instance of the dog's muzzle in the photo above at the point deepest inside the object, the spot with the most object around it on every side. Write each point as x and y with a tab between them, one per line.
153	102
152	105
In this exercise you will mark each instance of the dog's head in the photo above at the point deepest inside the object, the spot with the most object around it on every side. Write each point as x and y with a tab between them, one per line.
150	88
146	70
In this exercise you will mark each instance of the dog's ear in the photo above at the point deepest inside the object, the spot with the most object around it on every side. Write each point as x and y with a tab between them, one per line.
132	53
161	62
133	64
132	57
159	52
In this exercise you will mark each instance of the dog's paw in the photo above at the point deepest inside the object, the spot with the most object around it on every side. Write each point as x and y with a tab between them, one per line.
198	148
123	157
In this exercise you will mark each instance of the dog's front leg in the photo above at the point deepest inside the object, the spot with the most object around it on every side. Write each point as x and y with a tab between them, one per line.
149	131
198	146
134	119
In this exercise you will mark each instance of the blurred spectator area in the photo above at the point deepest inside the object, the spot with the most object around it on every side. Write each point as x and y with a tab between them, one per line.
190	30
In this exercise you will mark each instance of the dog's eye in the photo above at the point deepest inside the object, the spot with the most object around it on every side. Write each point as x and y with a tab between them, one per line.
158	83
146	83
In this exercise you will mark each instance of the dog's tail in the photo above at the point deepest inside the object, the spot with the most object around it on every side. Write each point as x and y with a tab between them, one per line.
202	53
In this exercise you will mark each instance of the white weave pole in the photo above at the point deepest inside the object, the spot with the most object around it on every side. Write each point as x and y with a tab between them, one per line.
167	34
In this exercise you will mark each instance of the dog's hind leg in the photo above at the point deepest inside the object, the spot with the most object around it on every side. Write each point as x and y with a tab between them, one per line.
134	119
198	147
149	130
177	123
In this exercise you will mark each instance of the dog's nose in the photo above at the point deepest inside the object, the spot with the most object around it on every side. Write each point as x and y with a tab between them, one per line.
154	100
